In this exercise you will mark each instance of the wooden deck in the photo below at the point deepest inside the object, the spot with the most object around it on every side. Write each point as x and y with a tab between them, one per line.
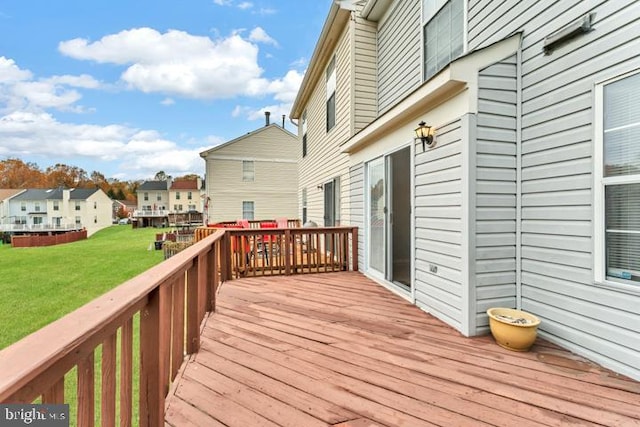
337	349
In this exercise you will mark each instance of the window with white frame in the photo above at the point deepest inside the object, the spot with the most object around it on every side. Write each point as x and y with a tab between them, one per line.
304	133
56	205
78	220
189	195
331	94
23	206
77	205
177	195
36	206
443	33
248	210
248	171
304	205
145	196
617	178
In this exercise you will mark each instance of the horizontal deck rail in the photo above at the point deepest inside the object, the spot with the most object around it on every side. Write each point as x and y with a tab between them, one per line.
285	251
171	301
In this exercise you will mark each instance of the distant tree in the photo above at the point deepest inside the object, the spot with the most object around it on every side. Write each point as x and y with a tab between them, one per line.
62	175
122	212
120	194
111	193
161	176
15	173
188	177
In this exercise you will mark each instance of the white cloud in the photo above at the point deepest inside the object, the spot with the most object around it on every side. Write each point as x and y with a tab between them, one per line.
167	101
245	5
178	63
259	35
10	72
19	91
139	153
222	2
284	90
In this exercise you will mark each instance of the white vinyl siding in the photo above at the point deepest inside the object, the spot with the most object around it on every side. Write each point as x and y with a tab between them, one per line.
364	75
399	57
597	320
438	226
324	161
273	152
356	177
495	191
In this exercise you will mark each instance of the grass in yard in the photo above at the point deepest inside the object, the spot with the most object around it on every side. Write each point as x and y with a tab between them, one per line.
40	285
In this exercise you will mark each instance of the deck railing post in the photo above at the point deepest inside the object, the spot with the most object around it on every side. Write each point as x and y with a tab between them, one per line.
354	248
287	252
151	412
193	333
211	279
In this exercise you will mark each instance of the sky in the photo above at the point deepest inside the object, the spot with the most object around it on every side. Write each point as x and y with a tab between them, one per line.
130	88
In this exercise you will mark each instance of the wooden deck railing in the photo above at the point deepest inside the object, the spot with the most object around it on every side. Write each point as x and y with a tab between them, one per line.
285	251
171	301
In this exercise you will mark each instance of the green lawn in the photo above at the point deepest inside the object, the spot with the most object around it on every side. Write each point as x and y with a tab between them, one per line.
40	285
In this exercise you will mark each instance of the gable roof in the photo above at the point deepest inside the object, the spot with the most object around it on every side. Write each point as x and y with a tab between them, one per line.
248	135
35	194
190	184
8	193
82	193
153	186
333	25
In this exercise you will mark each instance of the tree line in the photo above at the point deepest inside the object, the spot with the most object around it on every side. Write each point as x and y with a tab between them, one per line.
17	174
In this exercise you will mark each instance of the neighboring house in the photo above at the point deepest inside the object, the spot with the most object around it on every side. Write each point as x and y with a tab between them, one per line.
184	196
39	210
253	176
528	196
126	205
153	204
5	195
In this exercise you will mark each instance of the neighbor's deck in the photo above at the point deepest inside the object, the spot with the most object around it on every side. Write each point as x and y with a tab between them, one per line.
337	349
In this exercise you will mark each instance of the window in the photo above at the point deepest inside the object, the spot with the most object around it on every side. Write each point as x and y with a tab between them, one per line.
158	196
177	195
247	210
95	219
36	206
331	94
146	197
77	206
23	206
78	220
617	177
304	205
56	205
95	205
304	134
443	33
189	195
248	171
192	207
37	220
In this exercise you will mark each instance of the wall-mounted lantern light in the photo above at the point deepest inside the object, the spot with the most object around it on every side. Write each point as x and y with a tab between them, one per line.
320	187
423	133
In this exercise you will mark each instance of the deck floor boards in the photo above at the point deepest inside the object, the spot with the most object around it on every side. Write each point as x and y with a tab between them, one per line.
337	349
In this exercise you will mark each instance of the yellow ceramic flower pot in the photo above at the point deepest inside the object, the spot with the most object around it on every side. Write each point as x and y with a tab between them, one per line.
513	329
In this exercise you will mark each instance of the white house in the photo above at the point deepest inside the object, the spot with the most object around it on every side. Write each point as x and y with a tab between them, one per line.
525	194
253	176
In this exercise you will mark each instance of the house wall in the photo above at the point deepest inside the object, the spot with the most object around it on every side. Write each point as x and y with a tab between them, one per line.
274	189
399	52
494	202
600	321
364	75
357	202
439	226
184	200
96	216
324	161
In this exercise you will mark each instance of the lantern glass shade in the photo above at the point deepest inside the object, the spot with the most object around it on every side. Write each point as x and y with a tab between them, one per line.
422	131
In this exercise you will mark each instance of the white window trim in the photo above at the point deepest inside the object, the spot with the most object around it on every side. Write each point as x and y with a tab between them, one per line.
424	20
599	181
248	174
